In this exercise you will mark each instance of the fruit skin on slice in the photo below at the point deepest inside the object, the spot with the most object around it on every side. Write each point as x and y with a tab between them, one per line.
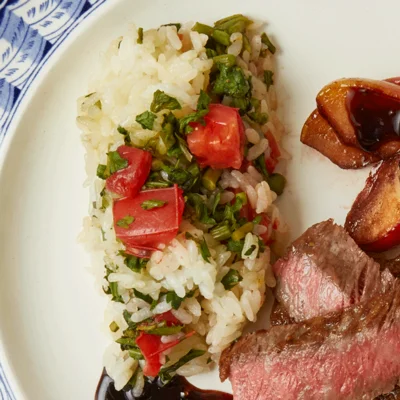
374	219
318	134
332	105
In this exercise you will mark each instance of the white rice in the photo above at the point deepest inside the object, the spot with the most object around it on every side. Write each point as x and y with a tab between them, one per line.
125	81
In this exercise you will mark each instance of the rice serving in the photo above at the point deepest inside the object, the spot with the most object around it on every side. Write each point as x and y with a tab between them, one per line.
212	276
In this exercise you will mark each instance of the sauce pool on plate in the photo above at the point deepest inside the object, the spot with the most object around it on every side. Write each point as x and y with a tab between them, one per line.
178	388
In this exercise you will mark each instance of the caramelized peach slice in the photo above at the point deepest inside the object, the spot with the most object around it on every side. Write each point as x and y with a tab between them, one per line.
374	219
318	134
332	104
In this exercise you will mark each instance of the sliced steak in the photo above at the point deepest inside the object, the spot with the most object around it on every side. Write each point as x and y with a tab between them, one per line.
392	264
324	270
279	315
352	354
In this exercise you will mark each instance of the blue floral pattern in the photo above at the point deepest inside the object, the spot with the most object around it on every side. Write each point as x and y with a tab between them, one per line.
30	31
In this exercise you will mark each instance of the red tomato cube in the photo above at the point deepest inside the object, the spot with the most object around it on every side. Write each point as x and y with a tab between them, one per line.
128	181
149	228
220	143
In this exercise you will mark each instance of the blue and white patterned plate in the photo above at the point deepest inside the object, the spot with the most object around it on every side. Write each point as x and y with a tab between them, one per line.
51	339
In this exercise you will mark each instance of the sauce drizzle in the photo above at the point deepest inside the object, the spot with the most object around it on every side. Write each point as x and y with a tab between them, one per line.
179	388
375	117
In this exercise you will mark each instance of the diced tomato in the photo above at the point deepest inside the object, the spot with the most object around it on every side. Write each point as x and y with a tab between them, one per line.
168	317
152	347
128	181
275	152
272	161
265	221
270	164
150	228
149	345
220	143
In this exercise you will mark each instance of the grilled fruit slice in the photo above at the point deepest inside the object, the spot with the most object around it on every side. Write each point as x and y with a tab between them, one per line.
374	219
318	134
332	104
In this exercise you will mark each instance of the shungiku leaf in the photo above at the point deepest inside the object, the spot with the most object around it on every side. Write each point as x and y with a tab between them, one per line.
146	120
116	162
162	101
231	279
150	204
125	222
231	81
167	373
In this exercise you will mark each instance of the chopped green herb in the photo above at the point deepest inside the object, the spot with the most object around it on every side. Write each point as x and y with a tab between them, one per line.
161	101
126	343
235	246
203	101
221	232
200	208
221	37
231	81
146	120
125	133
216	201
234	23
166	330
202	110
202	28
240	201
102	171
157	185
259	163
268	78
114	292
144	297
150	204
258	117
176	24
135	264
204	250
211	53
246	44
184	148
174	299
127	317
125	222
135	353
231	279
255	103
166	373
257	220
249	252
140	36
114	327
242	103
266	40
184	122
227	59
210	178
116	162
277	183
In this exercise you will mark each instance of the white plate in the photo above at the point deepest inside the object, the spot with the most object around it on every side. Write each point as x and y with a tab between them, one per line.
50	312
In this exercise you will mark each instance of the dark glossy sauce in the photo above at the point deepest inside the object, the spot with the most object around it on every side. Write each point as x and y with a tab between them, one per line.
375	117
178	388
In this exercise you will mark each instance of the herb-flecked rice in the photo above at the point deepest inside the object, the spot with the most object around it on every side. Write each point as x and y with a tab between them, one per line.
213	275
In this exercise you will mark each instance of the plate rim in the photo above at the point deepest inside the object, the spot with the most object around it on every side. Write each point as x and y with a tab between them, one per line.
9	387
